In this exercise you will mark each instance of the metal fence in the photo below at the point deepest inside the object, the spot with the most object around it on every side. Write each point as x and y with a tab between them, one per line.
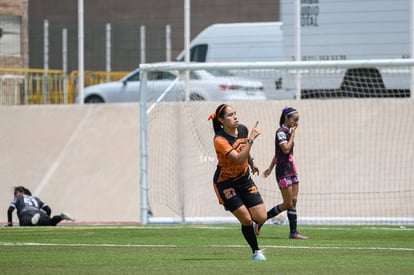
37	86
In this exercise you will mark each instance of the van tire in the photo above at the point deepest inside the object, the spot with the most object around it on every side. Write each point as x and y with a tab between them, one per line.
196	97
94	99
363	82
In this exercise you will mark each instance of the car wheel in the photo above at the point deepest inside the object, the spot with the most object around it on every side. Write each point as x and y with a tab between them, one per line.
94	99
196	97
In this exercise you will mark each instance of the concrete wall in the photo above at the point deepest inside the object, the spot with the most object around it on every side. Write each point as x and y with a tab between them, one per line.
355	158
80	159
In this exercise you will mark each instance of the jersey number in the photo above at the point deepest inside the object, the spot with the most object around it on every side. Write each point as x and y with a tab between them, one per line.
31	201
229	193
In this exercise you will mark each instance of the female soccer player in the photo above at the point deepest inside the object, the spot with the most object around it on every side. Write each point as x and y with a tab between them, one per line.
32	211
286	175
233	185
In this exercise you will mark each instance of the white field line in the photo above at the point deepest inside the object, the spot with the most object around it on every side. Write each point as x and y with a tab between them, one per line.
71	226
85	245
220	246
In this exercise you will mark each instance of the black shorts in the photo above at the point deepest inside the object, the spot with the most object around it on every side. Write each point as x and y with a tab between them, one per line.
233	194
25	218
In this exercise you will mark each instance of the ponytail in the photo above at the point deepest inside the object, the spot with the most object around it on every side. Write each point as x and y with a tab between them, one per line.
214	117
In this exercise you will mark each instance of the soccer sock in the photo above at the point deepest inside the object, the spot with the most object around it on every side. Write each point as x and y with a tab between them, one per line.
250	236
293	220
273	212
55	220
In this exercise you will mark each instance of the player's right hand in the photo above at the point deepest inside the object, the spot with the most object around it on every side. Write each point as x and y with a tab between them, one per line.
292	130
255	132
266	173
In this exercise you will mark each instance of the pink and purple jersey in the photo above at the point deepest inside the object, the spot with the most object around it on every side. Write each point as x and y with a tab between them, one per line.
285	165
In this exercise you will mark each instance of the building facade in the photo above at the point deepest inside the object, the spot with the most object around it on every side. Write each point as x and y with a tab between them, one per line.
14	43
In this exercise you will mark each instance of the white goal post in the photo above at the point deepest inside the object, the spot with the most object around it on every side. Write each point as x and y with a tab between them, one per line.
351	171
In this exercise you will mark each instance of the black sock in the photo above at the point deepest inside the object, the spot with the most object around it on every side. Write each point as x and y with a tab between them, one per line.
273	212
55	220
293	220
250	236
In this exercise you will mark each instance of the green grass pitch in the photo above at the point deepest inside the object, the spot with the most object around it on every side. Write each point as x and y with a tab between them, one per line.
205	249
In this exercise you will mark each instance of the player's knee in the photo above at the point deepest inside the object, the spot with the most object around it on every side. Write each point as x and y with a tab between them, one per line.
261	219
290	205
286	205
245	219
246	222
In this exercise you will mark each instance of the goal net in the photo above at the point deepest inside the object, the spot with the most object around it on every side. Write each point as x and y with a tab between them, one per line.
354	147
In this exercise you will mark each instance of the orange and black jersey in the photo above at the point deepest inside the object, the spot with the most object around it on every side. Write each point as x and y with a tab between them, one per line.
224	144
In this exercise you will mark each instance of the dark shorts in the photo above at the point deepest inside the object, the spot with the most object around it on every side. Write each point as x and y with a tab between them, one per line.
25	218
232	195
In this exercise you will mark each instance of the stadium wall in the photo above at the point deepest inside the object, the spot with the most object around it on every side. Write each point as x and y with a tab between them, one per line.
85	160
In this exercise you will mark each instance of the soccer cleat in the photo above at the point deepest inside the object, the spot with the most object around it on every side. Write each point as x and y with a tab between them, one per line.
258	255
257	227
66	216
35	219
279	219
296	235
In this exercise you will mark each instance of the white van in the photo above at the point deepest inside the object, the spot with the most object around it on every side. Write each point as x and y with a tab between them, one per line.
237	42
243	42
349	30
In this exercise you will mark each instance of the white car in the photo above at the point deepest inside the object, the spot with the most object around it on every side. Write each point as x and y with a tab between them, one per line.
203	85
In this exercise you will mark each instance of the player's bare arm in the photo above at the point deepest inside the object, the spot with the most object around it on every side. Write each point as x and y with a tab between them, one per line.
269	170
287	147
244	154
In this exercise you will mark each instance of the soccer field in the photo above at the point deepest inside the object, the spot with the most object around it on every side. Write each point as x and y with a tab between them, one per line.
205	249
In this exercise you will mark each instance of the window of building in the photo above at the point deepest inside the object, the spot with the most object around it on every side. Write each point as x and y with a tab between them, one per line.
10	35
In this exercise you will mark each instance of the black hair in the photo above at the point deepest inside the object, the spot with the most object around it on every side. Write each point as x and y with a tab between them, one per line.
23	190
219	113
287	112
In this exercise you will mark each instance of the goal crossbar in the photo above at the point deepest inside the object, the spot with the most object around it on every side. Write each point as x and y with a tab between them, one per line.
182	66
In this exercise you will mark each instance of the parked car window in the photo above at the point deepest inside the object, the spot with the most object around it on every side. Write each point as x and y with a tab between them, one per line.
134	77
220	73
157	75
